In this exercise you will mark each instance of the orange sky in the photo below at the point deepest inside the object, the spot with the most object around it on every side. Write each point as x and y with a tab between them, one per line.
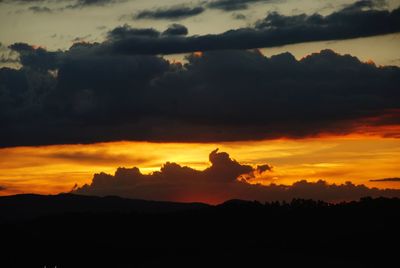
54	169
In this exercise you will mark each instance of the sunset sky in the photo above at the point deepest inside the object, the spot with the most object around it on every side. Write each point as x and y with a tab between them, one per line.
288	91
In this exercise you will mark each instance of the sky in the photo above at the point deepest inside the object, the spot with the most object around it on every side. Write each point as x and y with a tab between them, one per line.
132	98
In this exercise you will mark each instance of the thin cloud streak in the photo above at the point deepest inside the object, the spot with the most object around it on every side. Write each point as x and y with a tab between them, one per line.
386	180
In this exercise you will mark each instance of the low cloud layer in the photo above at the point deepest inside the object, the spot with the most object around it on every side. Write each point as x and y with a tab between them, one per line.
218	183
82	96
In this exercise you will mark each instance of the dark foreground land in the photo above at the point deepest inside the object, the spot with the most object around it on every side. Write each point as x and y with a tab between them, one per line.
77	231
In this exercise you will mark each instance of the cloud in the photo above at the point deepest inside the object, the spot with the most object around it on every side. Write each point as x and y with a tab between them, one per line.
83	3
215	96
365	4
76	3
183	11
6	59
125	31
38	58
176	29
274	30
96	157
216	184
232	5
169	13
42	6
238	16
81	38
386	180
7	55
2	188
39	9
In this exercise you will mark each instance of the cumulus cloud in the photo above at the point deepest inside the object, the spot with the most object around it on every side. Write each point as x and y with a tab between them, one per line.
216	184
215	96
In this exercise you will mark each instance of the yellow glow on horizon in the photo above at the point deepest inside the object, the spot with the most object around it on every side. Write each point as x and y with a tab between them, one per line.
57	168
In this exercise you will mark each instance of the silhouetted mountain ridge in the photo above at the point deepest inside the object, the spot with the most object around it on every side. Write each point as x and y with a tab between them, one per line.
25	206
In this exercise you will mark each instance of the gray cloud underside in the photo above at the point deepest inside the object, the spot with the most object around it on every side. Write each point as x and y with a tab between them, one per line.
217	184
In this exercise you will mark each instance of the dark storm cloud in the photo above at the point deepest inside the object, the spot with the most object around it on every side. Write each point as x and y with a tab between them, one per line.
170	13
274	30
216	184
176	29
386	180
216	96
230	5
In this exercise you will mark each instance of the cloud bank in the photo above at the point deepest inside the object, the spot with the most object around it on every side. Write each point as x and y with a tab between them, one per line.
82	96
217	184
